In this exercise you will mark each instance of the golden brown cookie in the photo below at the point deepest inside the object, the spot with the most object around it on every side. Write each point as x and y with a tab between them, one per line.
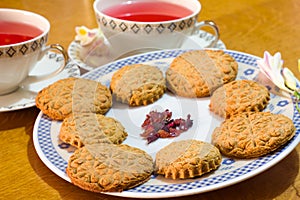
73	95
138	84
109	167
91	128
187	159
198	73
252	134
239	96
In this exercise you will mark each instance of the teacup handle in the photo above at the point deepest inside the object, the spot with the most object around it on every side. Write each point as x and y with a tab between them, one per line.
211	24
56	47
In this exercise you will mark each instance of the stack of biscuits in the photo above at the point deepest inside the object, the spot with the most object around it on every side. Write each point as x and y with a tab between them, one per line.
101	163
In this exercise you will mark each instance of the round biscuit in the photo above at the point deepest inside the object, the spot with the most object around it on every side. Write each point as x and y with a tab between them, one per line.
252	134
198	73
239	96
109	168
138	84
187	159
73	95
91	128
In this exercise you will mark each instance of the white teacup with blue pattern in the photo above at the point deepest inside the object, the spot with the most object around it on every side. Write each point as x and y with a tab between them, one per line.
138	35
19	57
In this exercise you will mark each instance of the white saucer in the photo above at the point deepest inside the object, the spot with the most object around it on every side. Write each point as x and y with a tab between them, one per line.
202	39
24	97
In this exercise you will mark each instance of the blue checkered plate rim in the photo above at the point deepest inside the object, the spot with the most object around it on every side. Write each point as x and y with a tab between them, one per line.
55	154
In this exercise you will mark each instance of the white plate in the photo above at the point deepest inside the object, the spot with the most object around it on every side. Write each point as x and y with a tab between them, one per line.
202	39
24	97
55	154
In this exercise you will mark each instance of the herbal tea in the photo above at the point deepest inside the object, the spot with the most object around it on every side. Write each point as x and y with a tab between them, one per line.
15	32
147	11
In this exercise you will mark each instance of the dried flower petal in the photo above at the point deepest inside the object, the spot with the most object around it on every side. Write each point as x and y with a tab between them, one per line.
160	125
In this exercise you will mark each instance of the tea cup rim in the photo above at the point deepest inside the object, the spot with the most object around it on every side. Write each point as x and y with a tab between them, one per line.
195	12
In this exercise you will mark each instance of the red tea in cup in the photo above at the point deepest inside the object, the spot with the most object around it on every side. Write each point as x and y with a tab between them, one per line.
147	11
15	32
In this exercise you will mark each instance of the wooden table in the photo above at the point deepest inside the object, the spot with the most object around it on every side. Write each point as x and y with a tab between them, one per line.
247	26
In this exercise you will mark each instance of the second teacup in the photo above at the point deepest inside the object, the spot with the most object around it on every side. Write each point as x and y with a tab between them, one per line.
147	24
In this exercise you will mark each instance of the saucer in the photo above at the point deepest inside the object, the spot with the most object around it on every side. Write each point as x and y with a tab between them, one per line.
24	97
202	39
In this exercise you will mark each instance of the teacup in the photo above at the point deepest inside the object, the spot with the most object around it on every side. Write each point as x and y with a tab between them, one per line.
23	38
148	24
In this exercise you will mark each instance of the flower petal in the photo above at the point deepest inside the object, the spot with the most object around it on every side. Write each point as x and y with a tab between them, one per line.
271	66
290	79
86	36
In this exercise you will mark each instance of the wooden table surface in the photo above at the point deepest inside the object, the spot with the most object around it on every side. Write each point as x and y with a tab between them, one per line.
247	26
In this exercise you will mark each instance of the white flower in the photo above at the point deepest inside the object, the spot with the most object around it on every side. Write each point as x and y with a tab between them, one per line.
284	78
290	80
272	67
86	36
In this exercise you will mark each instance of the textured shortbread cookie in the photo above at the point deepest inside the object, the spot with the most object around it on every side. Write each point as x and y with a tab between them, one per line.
239	96
73	95
109	168
138	84
91	128
198	73
252	134
187	159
